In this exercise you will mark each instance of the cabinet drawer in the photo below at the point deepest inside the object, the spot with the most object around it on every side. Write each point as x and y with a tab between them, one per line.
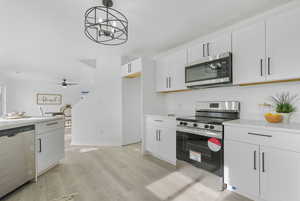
48	126
281	140
160	122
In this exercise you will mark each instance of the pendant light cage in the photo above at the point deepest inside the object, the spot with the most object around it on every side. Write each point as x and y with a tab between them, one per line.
105	25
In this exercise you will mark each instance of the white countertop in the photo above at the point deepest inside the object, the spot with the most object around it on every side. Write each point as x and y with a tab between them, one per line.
12	123
292	127
161	116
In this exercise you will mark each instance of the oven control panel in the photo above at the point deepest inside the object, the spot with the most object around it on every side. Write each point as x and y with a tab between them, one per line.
196	125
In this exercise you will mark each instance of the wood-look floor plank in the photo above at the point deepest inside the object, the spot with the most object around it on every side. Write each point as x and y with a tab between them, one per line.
121	174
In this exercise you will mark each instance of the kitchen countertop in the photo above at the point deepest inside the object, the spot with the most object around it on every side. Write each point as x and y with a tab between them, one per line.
161	116
13	123
292	127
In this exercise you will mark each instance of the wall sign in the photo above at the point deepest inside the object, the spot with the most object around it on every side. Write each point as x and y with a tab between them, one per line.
49	99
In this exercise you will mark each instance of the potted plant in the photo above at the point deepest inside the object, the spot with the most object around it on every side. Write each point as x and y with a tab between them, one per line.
284	105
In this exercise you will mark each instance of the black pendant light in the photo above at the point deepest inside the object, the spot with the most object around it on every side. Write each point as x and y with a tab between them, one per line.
105	25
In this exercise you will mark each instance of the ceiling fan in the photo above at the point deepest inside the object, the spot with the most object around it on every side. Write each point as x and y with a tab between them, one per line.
65	83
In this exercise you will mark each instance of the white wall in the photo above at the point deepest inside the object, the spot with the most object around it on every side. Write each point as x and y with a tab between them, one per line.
21	95
131	110
183	103
97	120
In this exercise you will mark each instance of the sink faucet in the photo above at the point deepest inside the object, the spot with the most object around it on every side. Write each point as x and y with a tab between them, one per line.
42	111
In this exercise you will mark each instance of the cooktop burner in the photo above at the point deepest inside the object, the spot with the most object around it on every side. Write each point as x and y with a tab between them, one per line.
205	120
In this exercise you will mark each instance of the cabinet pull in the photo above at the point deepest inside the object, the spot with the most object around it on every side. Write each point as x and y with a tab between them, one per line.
158	135
263	161
269	65
157	120
203	48
40	145
207	49
262	135
51	124
261	67
254	160
156	138
169	82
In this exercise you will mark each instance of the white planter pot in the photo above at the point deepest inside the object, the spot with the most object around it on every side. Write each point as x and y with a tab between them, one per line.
286	117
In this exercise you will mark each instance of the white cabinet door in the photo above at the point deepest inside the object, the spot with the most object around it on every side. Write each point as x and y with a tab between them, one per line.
280	175
196	53
136	66
219	45
167	144
283	46
162	75
241	167
151	139
176	66
249	54
42	153
50	149
125	70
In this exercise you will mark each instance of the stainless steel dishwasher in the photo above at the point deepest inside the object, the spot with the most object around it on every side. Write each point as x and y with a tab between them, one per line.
17	158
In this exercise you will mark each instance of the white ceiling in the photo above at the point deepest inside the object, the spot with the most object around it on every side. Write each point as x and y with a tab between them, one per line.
47	36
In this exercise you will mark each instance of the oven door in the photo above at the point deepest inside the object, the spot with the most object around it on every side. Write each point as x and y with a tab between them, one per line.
201	152
210	71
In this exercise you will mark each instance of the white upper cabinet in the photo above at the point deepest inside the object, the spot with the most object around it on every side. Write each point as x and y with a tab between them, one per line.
170	72
283	46
248	51
177	64
218	45
162	75
196	52
132	69
210	47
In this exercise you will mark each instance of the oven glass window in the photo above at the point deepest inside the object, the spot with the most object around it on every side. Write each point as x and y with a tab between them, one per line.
209	70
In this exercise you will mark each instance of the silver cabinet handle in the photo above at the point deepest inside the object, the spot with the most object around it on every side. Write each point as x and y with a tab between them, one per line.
158	135
261	67
40	145
169	82
263	161
262	135
207	49
203	48
158	120
51	124
254	160
269	65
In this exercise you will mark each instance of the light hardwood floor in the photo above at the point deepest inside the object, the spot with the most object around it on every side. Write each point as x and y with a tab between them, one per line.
121	174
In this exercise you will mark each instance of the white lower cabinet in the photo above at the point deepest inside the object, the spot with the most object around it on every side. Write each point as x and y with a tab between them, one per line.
49	146
241	167
280	176
161	139
268	169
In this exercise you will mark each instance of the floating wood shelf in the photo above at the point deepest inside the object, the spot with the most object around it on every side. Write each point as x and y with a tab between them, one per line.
134	75
270	82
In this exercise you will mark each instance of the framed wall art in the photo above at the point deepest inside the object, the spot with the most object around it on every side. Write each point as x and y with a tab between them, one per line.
49	99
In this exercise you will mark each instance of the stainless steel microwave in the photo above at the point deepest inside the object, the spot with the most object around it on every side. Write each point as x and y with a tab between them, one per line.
210	71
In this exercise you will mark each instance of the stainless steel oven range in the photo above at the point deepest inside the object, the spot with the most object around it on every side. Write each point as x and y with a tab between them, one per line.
200	137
